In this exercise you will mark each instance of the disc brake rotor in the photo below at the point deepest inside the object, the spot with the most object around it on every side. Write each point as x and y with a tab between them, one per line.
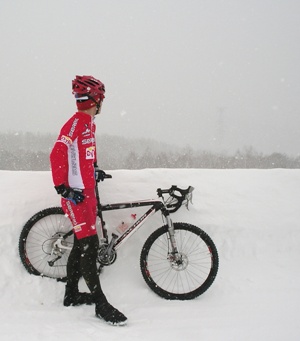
178	262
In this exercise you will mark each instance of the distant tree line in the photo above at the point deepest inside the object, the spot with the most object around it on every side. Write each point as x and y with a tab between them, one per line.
28	151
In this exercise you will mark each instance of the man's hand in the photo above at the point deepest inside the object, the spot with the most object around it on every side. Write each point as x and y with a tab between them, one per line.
73	194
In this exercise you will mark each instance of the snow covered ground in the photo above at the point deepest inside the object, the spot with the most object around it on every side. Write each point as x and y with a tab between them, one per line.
252	215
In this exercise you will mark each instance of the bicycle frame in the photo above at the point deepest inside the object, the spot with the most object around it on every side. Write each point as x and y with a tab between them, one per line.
156	205
117	241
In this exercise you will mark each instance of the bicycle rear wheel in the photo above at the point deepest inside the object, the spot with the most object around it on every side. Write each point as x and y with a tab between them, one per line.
187	276
36	243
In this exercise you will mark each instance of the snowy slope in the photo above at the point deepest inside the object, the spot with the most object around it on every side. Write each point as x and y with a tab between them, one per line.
252	215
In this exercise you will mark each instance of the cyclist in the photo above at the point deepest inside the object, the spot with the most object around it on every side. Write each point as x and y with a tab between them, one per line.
74	172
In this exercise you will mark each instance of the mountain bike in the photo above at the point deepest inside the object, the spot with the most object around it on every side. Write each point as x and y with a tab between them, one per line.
178	261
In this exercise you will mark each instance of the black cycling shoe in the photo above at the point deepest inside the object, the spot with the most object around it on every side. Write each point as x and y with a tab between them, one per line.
110	314
78	298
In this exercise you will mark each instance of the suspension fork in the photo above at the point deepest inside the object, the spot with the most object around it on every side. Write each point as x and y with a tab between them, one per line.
171	230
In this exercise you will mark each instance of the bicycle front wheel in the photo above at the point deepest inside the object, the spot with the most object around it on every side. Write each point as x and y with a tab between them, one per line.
37	243
183	276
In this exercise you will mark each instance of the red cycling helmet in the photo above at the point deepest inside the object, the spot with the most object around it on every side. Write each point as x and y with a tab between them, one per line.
88	91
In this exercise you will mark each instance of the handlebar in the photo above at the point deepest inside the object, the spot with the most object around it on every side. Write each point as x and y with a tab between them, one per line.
177	197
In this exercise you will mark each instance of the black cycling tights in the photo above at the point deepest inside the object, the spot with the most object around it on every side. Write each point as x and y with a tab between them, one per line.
82	262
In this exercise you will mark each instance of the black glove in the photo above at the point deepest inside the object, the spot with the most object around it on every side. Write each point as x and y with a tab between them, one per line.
99	174
73	194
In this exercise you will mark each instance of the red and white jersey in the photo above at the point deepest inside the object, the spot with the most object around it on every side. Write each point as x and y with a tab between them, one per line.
74	153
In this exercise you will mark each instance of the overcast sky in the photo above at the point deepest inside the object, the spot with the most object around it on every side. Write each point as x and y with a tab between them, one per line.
211	74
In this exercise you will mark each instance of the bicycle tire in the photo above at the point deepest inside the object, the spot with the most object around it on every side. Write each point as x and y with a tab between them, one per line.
36	241
174	281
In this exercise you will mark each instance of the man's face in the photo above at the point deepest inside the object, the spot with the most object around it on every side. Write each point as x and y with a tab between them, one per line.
98	111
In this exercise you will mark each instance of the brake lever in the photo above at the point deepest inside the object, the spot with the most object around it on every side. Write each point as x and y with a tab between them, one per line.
189	197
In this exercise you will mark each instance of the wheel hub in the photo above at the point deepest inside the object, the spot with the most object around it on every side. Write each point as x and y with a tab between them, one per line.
178	262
